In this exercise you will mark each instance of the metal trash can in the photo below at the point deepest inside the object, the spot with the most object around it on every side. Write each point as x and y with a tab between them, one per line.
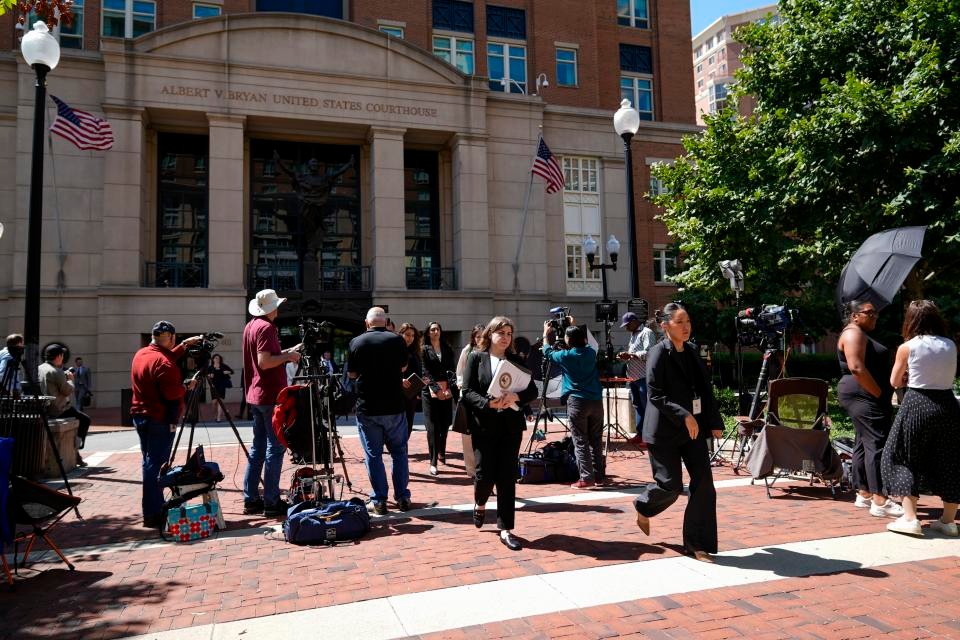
126	401
23	420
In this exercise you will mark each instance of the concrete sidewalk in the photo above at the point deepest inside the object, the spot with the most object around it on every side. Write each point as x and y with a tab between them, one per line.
585	570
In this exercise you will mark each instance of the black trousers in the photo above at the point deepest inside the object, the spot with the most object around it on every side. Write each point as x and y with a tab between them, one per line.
871	425
410	409
496	454
700	516
438	416
84	421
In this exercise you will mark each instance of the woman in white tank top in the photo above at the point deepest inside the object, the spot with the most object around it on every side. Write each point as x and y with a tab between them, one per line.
923	447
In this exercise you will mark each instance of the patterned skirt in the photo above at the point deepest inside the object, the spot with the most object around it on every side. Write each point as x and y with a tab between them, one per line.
923	449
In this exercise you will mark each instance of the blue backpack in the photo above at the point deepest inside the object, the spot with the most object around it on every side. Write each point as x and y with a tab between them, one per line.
328	523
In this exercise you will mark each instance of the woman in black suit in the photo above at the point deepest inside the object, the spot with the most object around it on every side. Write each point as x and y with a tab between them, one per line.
411	337
681	414
497	429
438	359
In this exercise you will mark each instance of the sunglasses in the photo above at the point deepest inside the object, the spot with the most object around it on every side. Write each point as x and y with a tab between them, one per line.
868	312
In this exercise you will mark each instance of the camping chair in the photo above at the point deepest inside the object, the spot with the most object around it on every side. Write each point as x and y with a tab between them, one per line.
41	508
6	527
795	435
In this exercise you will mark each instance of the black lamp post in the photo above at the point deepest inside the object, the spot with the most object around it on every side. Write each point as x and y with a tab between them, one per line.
626	121
42	52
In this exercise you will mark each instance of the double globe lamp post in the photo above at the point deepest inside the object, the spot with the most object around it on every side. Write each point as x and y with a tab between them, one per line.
42	52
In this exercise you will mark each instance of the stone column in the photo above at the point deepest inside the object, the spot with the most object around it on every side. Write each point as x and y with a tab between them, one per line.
386	206
124	188
226	257
471	222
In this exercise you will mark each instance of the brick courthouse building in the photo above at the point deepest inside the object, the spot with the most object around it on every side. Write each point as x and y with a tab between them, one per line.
422	118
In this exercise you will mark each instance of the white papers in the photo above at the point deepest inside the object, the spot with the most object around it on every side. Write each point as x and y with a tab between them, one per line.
508	378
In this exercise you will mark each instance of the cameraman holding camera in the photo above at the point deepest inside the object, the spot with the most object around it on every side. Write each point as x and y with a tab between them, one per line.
158	391
263	369
582	393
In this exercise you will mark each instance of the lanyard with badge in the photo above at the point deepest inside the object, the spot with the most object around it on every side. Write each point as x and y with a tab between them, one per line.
697	405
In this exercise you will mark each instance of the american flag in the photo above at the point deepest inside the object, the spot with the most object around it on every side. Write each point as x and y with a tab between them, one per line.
546	166
83	129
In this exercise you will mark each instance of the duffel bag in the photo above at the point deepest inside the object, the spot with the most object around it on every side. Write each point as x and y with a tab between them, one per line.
533	469
329	523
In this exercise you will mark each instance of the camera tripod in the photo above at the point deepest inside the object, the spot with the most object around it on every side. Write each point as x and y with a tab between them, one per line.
544	415
191	413
322	386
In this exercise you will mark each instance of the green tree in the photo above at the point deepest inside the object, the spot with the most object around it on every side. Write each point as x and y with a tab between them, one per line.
856	130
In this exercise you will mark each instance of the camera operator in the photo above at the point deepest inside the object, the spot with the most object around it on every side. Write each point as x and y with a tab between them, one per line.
158	391
582	393
642	337
11	358
263	370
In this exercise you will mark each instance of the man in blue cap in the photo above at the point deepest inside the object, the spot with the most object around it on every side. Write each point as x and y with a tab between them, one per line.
641	339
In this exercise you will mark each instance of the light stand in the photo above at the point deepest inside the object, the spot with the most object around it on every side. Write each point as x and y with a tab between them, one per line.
733	271
626	122
42	52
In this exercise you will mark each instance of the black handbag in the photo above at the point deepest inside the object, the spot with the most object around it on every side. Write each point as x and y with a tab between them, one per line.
461	419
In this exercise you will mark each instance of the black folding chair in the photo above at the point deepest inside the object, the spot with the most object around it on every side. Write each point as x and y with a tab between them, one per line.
41	508
6	525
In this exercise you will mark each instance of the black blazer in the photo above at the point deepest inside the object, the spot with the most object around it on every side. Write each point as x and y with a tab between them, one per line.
476	380
673	378
436	364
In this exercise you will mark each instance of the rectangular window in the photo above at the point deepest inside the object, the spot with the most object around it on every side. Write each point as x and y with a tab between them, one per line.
396	32
453	15
699	68
575	262
455	51
205	10
328	8
422	221
710	60
633	13
128	18
504	22
718	97
182	208
639	91
657	187
580	175
566	67
664	264
71	36
507	67
636	58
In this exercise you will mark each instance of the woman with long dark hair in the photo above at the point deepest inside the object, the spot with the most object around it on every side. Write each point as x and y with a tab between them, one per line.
467	350
923	448
411	337
437	360
681	414
496	428
220	380
864	393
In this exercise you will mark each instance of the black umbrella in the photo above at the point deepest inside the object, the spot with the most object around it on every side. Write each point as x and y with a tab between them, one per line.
877	270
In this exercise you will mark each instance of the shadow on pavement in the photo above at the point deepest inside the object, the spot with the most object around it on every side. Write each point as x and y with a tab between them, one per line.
614	550
791	564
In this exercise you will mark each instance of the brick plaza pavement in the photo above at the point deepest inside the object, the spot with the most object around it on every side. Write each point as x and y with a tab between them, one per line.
129	582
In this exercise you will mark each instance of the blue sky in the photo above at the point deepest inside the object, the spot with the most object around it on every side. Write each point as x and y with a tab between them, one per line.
703	12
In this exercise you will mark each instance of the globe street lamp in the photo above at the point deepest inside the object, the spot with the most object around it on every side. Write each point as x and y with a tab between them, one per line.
626	121
613	251
42	52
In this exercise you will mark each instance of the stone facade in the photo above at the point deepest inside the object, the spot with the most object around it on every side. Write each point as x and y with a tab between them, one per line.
288	77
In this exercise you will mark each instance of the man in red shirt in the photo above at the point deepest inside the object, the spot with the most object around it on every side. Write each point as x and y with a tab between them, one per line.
265	375
158	391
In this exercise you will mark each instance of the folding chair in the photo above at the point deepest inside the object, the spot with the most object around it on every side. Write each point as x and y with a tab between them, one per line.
41	508
795	436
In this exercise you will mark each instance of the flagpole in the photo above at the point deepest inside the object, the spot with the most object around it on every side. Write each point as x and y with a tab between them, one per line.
523	222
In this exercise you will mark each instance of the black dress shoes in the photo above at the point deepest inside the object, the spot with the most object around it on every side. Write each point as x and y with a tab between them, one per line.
478	517
510	540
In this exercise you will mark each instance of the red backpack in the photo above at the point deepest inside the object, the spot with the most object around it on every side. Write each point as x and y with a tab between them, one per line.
285	413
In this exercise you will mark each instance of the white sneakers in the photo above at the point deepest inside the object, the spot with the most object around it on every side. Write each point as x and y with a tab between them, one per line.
945	528
888	509
861	502
908	527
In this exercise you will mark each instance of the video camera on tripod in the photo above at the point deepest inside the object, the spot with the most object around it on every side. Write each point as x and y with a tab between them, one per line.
559	321
201	351
765	326
313	333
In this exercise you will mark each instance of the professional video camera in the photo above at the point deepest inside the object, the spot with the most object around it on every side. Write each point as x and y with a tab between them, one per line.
313	333
559	323
201	351
764	326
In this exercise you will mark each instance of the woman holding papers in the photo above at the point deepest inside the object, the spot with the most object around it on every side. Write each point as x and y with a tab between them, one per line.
438	360
411	337
681	414
496	422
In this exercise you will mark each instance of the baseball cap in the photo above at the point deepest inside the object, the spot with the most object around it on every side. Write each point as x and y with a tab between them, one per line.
627	318
163	327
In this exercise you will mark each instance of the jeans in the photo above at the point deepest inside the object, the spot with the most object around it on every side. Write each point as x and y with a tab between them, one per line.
586	428
156	440
375	432
638	395
265	449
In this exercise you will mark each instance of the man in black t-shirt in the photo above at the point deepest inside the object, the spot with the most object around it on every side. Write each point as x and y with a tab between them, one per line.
376	363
